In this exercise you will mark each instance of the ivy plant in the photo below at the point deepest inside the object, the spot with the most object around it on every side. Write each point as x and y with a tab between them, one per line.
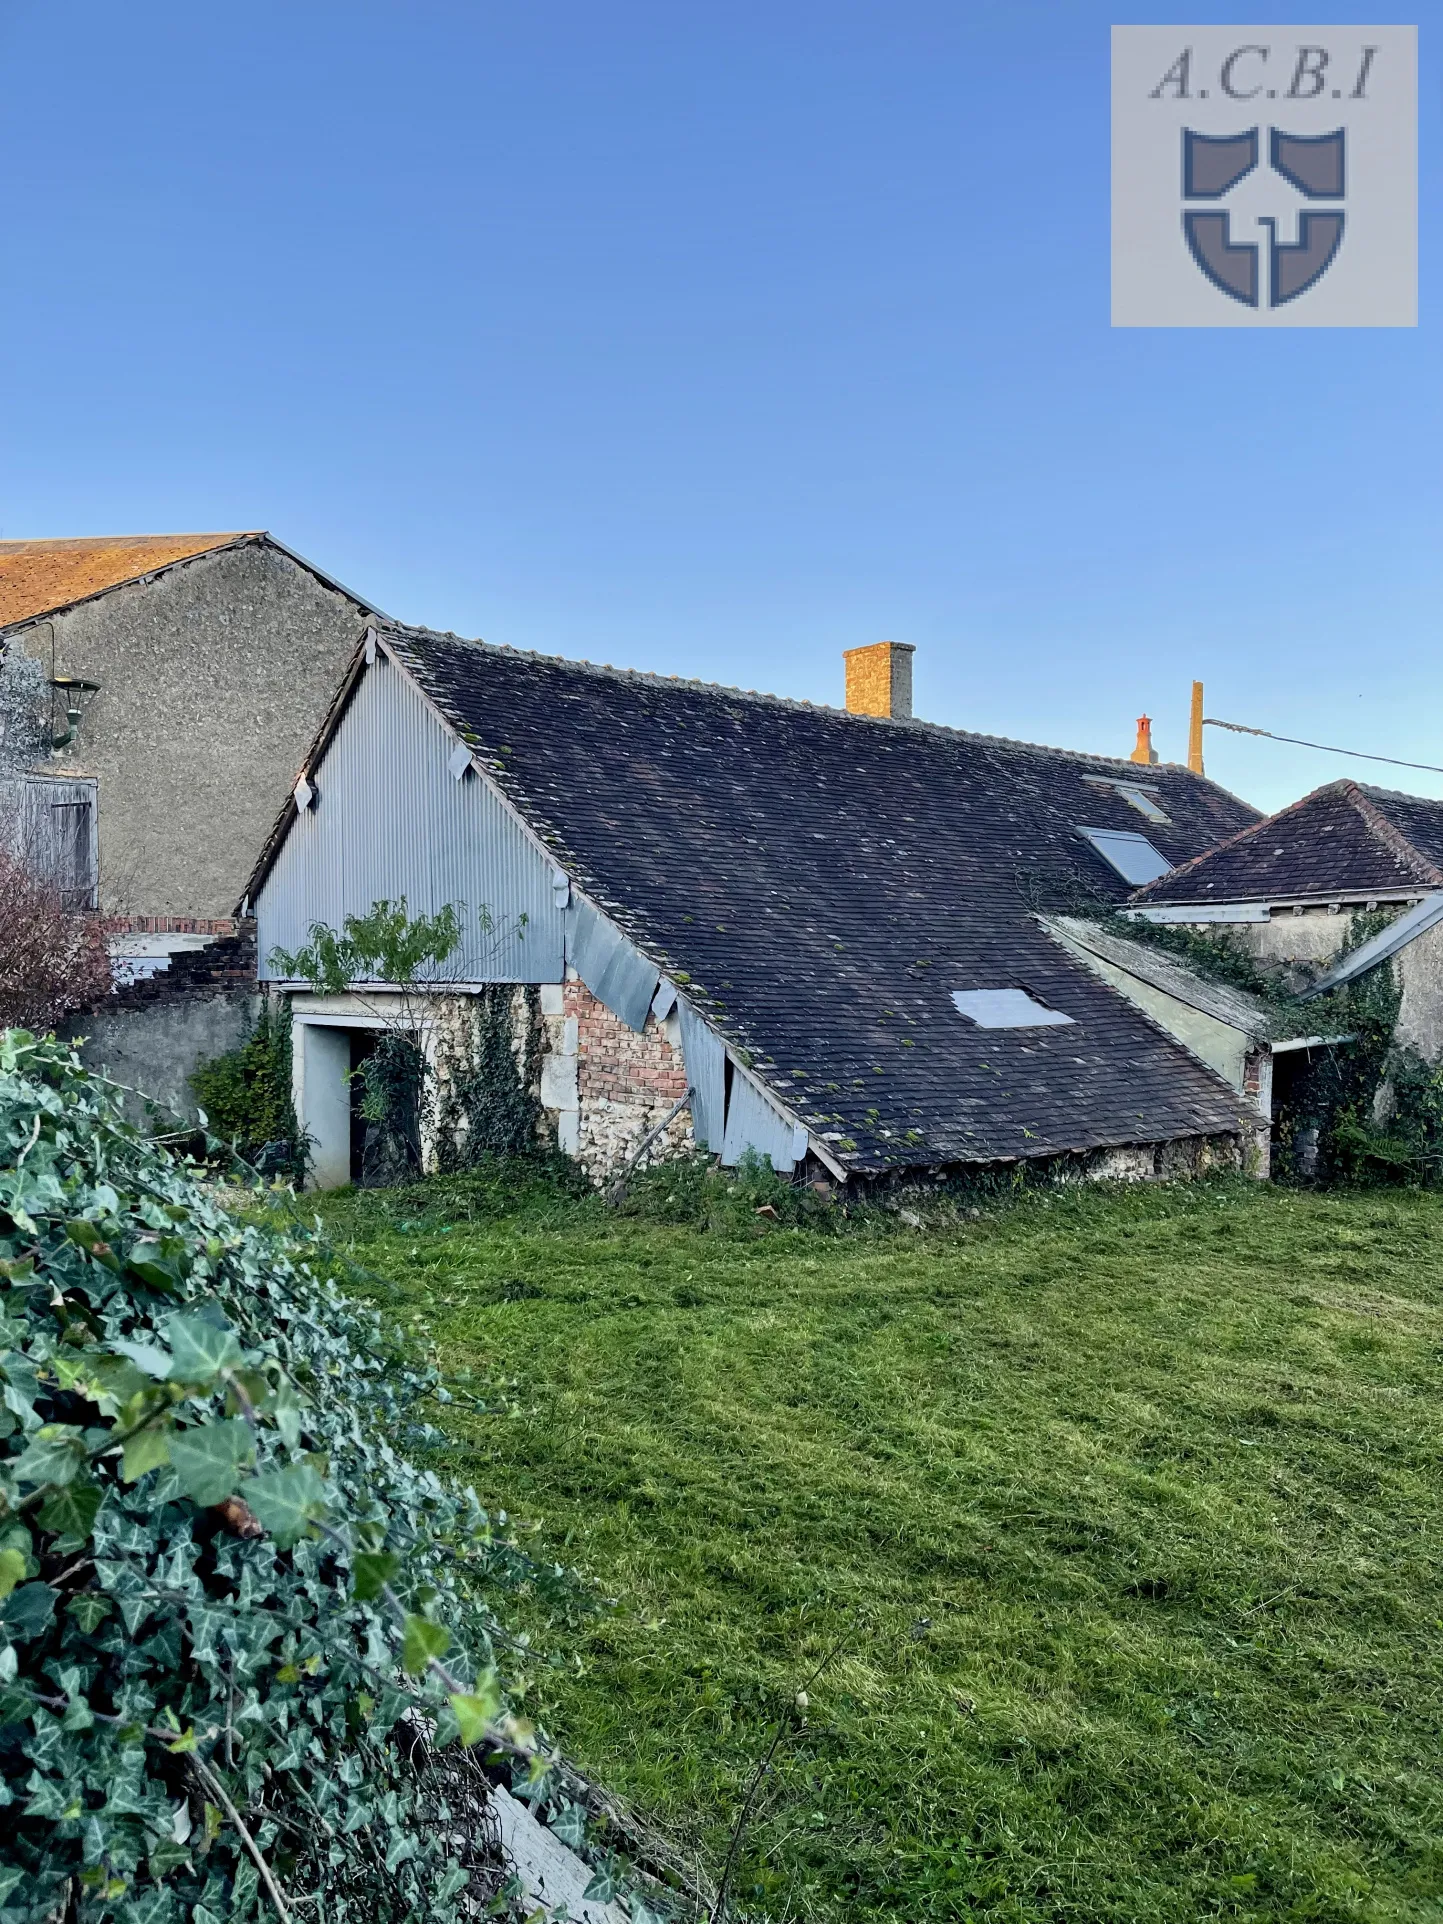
237	1620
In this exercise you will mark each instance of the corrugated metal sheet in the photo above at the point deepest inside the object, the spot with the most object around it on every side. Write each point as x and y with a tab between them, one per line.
705	1060
391	820
49	822
753	1123
1411	924
611	967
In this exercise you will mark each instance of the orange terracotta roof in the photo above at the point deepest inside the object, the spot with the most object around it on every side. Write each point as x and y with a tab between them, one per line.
39	577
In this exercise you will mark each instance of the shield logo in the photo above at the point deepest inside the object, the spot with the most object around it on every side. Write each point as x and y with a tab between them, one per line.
1313	166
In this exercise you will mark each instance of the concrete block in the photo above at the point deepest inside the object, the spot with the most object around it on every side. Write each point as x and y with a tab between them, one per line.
568	1132
553	998
558	1083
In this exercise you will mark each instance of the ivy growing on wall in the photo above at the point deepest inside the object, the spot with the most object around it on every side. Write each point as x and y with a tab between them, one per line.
1363	1111
489	1079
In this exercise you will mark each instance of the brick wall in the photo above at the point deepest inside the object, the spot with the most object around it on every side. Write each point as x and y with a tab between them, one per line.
605	1085
178	925
226	966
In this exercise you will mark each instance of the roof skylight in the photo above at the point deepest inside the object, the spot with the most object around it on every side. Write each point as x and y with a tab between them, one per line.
1144	800
1007	1009
1132	855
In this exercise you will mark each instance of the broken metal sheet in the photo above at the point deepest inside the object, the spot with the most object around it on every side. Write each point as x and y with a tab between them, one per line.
549	1871
705	1060
459	765
611	967
1411	924
754	1123
664	1001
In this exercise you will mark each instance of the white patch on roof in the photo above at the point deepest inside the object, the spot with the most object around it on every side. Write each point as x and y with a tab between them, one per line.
1007	1009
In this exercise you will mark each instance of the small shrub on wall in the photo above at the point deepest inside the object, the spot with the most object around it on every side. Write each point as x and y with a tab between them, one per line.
246	1094
54	962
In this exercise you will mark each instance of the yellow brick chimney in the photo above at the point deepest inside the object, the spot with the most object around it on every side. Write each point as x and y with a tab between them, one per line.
879	679
1144	751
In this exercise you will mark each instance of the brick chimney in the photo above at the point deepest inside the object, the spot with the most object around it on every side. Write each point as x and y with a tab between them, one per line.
879	679
1144	752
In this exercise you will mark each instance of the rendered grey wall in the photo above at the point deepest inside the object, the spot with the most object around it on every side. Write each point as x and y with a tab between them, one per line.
213	680
391	820
154	1049
1313	936
1418	969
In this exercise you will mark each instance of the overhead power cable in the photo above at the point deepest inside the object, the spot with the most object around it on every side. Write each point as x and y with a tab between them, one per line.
1241	728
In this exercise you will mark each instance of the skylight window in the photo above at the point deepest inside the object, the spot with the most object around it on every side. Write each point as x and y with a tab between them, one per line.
1132	855
1007	1009
1144	800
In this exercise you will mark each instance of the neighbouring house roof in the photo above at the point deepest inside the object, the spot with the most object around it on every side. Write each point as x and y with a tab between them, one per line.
1343	840
819	884
42	577
39	578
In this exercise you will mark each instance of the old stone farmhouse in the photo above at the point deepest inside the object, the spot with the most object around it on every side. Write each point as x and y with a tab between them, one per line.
1289	890
156	692
830	935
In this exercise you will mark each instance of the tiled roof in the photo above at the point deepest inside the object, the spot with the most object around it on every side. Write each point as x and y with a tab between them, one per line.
1345	839
41	577
819	883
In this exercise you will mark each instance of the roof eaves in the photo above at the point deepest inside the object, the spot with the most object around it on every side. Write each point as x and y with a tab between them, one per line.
1167	973
1423	915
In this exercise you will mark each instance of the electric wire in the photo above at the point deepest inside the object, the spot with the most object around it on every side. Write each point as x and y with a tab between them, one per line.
1241	728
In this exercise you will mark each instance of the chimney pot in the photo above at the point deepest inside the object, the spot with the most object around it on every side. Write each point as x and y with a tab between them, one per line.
879	679
1144	751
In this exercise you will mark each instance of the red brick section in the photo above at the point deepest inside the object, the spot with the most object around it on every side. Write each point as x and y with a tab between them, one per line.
176	925
618	1065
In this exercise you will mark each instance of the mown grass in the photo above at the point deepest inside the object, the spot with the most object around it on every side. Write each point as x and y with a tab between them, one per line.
1119	1509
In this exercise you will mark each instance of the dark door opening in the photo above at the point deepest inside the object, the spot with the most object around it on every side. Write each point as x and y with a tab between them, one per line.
1295	1129
385	1149
363	1047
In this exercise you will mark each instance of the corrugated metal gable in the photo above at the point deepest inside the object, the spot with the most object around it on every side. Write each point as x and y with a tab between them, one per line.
391	820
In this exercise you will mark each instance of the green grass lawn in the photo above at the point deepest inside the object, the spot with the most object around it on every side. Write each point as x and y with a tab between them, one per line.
1122	1508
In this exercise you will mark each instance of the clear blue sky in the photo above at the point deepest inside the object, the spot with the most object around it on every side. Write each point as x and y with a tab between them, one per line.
712	339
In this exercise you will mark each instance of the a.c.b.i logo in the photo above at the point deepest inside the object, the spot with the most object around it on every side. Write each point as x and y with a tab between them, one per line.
1264	176
1313	166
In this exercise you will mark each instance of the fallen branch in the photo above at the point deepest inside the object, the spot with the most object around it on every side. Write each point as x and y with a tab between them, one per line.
799	1702
213	1784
